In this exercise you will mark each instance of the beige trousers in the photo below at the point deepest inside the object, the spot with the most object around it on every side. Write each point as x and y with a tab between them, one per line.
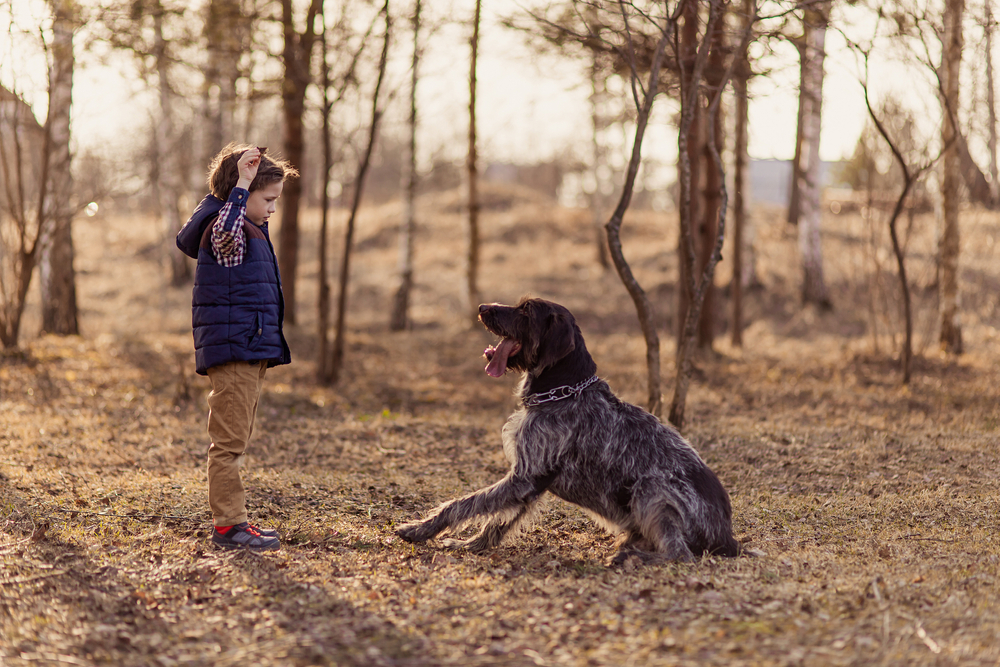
232	409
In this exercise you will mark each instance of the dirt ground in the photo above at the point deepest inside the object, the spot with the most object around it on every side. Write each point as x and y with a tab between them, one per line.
874	504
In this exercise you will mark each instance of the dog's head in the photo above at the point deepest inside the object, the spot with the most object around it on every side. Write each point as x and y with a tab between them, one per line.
534	334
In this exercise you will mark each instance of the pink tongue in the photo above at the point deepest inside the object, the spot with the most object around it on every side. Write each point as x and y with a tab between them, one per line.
498	362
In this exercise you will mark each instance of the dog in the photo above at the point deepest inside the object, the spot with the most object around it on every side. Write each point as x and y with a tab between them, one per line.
575	439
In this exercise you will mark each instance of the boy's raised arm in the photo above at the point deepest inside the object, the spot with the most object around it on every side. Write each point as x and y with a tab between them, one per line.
228	240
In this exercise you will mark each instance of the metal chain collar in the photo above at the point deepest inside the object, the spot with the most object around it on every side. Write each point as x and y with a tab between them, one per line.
559	393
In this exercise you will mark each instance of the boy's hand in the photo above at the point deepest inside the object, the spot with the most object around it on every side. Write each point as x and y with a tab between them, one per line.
247	166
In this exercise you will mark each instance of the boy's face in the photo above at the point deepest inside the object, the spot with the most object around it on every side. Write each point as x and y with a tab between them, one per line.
261	203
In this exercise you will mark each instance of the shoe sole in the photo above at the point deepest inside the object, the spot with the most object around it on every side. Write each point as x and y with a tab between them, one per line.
232	546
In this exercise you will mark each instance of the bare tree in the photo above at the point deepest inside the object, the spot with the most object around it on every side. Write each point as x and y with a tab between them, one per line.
643	97
399	316
226	30
989	27
297	58
57	277
24	172
333	92
794	194
949	245
696	75
166	151
814	288
337	353
156	33
911	174
741	159
323	373
696	285
472	176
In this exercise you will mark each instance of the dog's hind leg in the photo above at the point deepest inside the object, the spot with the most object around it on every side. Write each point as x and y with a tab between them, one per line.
662	531
511	494
634	543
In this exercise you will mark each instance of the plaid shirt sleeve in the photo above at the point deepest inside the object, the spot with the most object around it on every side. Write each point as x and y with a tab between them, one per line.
228	240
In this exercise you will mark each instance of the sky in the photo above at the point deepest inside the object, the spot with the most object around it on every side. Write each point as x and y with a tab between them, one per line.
530	108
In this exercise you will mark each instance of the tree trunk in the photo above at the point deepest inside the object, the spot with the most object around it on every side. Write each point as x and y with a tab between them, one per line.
337	355
708	229
794	193
989	25
948	252
399	318
21	183
225	37
697	286
644	309
599	158
814	288
692	195
297	54
168	173
57	278
705	182
741	161
472	171
973	177
323	374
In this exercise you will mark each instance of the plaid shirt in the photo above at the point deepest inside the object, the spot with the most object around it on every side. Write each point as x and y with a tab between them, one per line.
228	240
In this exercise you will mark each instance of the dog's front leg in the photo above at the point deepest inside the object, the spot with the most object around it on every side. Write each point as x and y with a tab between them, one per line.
495	530
512	493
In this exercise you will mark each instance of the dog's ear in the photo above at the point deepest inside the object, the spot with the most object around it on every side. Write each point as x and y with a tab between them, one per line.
558	339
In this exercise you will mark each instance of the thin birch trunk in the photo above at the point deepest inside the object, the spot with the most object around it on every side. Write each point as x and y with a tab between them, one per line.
472	175
814	288
795	193
989	25
741	185
399	318
57	278
949	244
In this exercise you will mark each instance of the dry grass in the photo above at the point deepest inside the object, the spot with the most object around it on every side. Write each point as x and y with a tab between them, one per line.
875	504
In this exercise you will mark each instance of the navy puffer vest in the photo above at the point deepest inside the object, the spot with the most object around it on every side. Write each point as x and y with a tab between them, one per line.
238	312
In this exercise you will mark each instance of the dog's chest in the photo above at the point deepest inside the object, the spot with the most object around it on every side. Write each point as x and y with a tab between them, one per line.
509	435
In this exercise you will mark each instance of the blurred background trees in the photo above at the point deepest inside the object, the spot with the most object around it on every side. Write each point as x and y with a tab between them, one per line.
207	72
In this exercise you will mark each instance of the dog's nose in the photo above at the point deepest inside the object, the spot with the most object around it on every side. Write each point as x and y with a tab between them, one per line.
483	308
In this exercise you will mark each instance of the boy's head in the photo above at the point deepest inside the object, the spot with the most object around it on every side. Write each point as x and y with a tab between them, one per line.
223	172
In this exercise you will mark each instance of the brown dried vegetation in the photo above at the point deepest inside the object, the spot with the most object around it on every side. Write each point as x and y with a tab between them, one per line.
874	504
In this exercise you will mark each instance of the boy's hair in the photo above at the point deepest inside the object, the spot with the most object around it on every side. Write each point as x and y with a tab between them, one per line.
223	172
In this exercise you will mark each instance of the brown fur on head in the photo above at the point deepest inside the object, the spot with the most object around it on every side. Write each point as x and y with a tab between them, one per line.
545	331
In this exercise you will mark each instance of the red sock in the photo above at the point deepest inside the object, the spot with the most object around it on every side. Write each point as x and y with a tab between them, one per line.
222	530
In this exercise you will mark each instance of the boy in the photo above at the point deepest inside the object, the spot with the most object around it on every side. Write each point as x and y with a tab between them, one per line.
237	314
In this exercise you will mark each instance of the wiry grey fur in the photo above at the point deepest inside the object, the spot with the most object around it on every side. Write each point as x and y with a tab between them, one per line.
636	476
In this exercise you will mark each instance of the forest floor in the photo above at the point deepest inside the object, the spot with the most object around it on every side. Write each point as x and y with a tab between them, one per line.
874	504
